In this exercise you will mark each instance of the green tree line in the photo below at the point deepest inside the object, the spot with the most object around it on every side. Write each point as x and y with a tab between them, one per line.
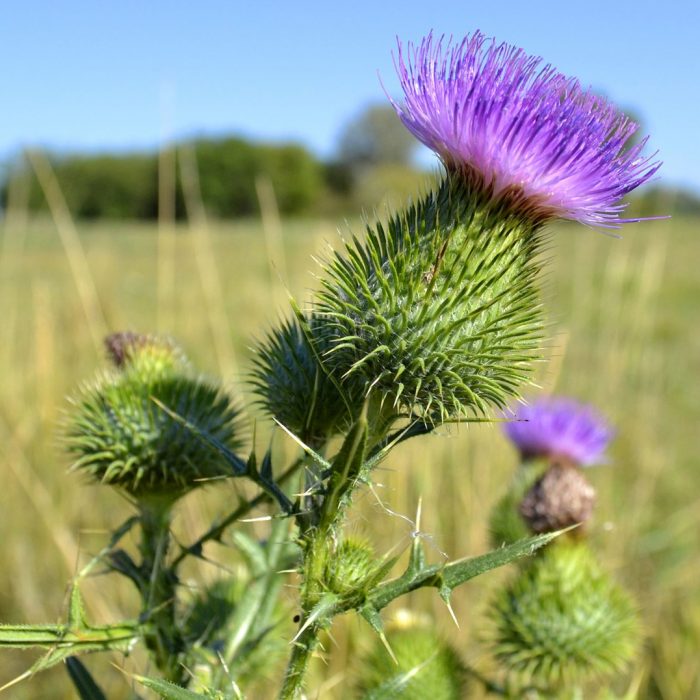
373	165
125	186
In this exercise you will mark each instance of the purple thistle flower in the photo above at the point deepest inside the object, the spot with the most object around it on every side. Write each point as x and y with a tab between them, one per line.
521	129
559	427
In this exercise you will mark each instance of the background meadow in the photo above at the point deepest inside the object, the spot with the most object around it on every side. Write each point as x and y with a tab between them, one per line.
624	320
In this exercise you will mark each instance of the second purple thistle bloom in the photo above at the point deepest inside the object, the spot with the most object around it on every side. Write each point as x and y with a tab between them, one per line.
559	427
521	129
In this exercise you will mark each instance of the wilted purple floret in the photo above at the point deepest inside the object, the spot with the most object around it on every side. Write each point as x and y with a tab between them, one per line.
556	426
522	127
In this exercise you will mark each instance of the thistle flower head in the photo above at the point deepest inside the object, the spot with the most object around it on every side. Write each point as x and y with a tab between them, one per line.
131	428
520	129
558	427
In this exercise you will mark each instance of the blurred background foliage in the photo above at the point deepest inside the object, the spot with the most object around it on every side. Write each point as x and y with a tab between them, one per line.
376	161
153	242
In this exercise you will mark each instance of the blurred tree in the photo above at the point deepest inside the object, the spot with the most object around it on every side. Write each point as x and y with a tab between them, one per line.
126	186
376	137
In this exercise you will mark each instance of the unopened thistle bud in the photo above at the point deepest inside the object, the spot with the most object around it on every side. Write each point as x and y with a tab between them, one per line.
295	388
426	666
561	497
563	621
350	568
135	427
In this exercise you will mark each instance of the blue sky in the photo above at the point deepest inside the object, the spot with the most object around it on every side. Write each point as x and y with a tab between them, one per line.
117	75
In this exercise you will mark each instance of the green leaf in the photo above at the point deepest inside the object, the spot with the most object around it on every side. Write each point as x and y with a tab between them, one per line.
83	681
170	691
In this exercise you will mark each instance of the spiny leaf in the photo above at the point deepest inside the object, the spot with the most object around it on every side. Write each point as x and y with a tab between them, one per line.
449	576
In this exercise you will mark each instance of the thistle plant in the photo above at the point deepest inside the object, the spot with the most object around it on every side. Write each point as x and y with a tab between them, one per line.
433	316
562	621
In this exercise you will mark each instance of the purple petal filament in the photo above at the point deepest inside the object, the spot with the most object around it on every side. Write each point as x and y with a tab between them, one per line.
521	127
556	426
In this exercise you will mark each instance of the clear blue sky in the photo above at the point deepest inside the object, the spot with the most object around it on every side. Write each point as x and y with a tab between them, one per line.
116	75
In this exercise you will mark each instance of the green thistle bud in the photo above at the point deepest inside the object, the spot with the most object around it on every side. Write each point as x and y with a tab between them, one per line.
561	497
294	388
563	621
426	666
438	312
121	435
350	567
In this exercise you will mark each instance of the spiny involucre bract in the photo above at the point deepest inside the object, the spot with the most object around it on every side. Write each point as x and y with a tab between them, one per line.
294	387
135	426
563	621
437	313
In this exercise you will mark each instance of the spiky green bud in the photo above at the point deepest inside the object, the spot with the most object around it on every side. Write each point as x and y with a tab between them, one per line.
563	621
350	567
437	313
293	387
426	666
128	430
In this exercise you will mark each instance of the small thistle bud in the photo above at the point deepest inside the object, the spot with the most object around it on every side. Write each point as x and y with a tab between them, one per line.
426	666
562	621
123	431
351	567
561	497
294	388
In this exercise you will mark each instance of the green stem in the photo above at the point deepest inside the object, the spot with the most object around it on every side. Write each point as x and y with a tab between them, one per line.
304	647
158	591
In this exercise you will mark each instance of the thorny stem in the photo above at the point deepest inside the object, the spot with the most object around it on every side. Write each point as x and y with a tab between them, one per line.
317	536
303	648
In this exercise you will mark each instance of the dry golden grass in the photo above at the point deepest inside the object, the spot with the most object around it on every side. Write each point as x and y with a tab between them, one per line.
625	336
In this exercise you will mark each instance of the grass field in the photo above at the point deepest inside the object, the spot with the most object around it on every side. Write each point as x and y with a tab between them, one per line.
624	326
